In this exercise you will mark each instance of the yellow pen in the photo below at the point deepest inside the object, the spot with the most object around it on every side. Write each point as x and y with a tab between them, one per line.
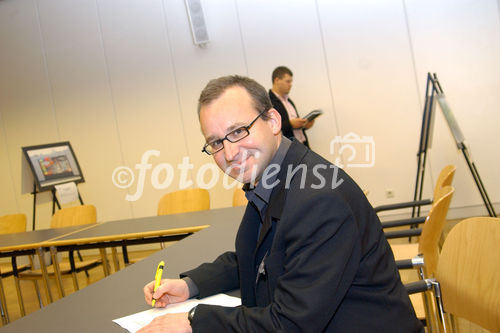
159	272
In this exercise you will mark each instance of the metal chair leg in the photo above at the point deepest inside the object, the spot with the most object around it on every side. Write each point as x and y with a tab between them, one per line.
443	318
19	296
3	305
35	283
81	259
38	294
18	286
73	270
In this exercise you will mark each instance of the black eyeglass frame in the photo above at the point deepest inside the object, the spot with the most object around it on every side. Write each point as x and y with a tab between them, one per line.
246	128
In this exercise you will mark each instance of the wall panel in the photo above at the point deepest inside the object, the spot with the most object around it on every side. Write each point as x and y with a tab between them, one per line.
294	40
147	106
121	78
375	91
460	41
195	66
25	99
82	97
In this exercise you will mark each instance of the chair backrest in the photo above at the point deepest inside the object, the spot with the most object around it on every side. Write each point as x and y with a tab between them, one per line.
189	200
12	223
84	214
469	272
445	178
428	244
239	198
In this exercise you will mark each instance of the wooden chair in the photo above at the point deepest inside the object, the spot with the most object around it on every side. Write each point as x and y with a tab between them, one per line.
445	179
9	224
466	282
425	254
78	215
12	223
239	198
183	201
469	272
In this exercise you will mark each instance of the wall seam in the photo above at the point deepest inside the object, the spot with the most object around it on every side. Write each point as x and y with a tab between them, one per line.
110	88
415	73
46	69
336	124
241	37
176	82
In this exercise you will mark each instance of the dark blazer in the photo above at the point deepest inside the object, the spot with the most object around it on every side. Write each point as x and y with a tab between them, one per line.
286	127
324	262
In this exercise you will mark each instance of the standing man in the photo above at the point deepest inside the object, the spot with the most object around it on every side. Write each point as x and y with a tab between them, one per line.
310	254
292	126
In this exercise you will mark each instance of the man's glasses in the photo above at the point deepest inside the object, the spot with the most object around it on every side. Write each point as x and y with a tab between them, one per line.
234	136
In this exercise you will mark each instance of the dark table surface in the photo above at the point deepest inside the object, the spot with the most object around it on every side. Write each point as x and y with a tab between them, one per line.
33	239
93	308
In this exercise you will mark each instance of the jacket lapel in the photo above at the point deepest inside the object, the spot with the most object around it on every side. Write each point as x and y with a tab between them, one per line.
277	201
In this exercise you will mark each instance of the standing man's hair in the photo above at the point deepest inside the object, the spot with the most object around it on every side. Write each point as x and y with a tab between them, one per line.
279	72
216	87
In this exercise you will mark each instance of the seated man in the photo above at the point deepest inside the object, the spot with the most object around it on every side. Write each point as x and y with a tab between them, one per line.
310	252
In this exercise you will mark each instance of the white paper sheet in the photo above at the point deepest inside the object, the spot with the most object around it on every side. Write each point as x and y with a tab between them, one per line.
67	192
138	320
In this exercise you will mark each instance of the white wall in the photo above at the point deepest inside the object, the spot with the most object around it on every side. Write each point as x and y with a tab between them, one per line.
120	78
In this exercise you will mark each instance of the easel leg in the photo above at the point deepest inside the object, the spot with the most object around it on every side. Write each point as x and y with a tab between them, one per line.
34	205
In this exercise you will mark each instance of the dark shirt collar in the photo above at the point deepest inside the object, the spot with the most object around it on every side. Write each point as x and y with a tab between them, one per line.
261	194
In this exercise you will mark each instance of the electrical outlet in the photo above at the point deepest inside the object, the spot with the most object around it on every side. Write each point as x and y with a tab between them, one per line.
389	193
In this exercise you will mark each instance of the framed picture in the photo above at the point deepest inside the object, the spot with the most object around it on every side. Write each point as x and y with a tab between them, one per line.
53	164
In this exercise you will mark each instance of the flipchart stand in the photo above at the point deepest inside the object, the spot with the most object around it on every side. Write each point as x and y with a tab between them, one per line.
434	93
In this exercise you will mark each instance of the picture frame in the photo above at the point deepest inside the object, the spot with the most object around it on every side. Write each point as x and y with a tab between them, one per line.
53	164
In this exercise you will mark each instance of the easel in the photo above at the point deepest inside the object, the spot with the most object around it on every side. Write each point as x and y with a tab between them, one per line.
434	92
55	202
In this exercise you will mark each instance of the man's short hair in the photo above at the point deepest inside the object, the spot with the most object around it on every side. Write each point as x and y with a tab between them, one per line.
279	72
216	87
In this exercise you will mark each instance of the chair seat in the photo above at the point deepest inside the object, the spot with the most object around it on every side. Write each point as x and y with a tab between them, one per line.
404	251
64	267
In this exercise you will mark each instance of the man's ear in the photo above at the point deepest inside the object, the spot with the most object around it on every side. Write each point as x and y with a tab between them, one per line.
274	120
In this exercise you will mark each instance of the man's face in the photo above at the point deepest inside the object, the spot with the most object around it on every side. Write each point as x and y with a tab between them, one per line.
284	84
244	160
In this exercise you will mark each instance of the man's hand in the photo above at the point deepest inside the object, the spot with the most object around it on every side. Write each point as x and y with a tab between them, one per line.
309	124
298	122
170	291
169	323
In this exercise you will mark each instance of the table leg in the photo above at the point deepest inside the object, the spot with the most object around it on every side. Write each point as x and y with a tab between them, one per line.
105	262
116	262
57	271
45	274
